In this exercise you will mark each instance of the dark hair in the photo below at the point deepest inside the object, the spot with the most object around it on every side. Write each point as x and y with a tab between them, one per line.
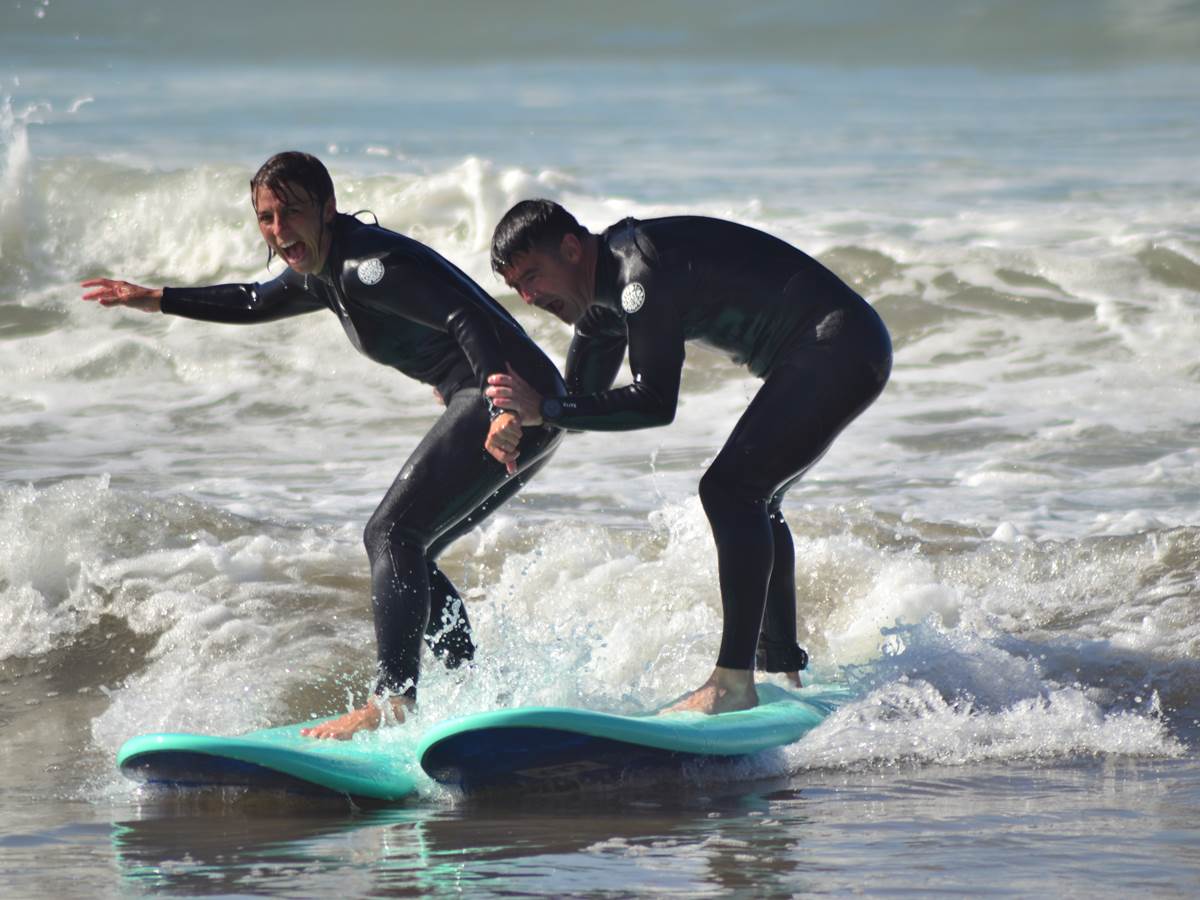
284	172
530	225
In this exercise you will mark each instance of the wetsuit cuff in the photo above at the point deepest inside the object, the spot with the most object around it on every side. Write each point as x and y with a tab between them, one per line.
772	657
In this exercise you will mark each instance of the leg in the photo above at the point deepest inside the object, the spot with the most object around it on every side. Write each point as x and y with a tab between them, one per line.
448	486
803	405
777	647
443	490
448	632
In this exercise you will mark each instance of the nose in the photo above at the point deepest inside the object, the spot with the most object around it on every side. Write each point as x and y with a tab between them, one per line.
525	294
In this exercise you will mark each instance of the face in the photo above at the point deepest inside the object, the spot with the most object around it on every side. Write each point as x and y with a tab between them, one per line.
295	227
553	281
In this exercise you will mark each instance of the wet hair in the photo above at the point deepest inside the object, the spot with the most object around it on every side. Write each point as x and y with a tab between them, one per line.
531	225
284	174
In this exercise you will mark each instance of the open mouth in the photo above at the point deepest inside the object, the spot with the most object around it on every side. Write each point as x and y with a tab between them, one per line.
293	253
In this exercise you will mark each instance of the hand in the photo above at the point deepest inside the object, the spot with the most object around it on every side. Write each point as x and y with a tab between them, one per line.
513	392
121	293
503	438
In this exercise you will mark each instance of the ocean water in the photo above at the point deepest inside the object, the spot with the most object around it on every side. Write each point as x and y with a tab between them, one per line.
1002	555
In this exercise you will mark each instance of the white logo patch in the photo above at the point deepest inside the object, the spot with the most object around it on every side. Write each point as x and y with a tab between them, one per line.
370	271
633	297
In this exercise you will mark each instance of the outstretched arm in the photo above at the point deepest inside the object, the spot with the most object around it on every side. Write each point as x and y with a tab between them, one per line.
111	292
233	303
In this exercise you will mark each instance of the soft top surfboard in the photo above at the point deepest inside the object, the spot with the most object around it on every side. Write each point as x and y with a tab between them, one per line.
553	748
365	769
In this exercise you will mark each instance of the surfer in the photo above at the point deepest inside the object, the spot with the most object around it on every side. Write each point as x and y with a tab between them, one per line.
402	305
648	287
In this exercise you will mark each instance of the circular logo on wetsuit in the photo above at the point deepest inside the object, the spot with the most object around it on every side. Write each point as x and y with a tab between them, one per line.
370	271
633	297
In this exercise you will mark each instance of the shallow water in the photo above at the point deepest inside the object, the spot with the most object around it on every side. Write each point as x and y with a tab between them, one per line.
1001	554
1010	829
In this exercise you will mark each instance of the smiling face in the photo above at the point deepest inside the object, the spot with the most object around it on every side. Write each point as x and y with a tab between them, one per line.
555	281
295	226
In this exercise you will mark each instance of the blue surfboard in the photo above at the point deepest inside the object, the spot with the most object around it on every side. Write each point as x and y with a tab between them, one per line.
556	749
367	769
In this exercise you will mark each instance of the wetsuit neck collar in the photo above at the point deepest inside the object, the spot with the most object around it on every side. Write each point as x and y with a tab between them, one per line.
335	258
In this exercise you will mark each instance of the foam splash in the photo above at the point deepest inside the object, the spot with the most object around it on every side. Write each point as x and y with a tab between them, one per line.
16	198
242	624
912	722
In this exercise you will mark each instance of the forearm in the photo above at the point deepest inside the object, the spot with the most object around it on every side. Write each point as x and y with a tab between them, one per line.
234	303
622	409
593	365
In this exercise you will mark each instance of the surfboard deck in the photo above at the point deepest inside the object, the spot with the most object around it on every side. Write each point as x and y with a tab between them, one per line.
555	749
366	769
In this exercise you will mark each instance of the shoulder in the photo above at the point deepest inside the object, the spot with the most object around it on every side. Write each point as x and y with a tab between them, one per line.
632	243
369	251
641	267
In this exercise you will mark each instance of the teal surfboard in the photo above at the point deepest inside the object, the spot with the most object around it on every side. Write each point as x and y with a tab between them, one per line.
369	768
551	748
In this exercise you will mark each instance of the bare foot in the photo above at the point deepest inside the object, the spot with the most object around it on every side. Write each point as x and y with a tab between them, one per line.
364	718
726	690
794	679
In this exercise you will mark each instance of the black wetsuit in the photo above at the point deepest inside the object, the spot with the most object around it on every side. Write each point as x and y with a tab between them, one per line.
824	355
405	306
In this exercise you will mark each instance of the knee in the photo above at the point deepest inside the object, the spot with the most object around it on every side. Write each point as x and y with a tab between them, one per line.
375	534
383	532
720	491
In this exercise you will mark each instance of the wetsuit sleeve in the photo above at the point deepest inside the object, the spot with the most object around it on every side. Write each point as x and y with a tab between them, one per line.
241	304
656	360
434	294
596	352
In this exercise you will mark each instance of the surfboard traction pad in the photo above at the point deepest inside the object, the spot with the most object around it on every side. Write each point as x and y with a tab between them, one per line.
543	749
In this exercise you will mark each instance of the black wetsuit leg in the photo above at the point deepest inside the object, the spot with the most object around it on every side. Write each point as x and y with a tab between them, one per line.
448	632
447	486
777	648
813	391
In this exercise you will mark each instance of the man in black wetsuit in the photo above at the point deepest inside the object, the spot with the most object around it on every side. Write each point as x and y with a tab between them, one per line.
650	286
403	305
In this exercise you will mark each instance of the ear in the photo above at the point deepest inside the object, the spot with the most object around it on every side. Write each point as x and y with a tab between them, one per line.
330	210
570	249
